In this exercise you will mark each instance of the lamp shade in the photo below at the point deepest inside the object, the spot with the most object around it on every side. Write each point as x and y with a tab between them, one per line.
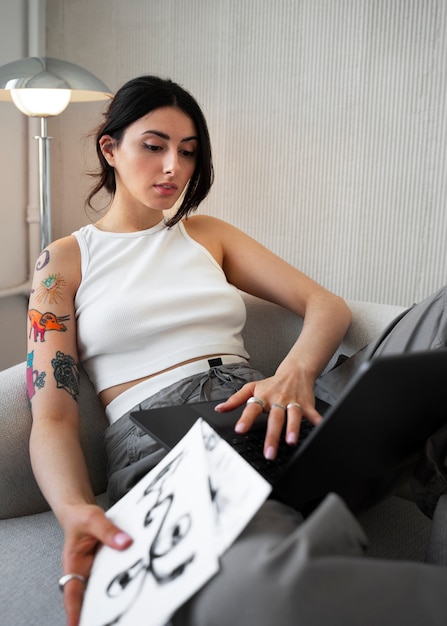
47	76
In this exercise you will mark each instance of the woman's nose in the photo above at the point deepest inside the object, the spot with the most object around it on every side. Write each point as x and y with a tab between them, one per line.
170	165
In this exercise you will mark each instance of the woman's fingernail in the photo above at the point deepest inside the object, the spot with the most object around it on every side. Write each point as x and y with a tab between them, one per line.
270	453
240	428
121	539
291	439
218	406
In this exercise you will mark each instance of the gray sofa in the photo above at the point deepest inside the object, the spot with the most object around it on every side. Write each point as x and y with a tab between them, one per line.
30	537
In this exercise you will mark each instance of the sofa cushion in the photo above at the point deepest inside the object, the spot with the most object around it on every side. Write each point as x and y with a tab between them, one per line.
31	549
19	492
30	567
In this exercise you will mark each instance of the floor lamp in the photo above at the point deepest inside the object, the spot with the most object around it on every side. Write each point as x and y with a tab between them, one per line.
42	87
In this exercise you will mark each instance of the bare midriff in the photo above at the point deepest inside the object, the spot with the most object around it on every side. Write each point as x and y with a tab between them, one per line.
111	393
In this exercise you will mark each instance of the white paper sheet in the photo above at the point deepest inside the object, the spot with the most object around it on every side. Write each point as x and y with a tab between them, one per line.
237	490
182	516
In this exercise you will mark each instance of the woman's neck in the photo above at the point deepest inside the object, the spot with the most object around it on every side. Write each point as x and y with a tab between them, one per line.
128	220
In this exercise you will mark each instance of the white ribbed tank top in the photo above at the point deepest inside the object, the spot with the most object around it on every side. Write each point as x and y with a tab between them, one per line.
150	300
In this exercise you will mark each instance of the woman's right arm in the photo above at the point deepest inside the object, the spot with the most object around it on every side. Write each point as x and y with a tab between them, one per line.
53	379
53	387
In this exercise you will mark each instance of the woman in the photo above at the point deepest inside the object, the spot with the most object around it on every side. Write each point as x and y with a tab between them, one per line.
152	311
144	304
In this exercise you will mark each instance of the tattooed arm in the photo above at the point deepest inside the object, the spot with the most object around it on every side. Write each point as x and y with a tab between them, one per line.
53	387
53	378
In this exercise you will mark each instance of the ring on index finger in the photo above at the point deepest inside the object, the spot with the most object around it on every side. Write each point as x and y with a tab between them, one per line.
256	400
292	404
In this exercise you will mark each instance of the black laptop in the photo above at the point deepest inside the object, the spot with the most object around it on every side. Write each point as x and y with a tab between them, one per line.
362	448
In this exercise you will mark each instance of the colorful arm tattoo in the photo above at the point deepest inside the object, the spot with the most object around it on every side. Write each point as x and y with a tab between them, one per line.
51	289
40	323
34	378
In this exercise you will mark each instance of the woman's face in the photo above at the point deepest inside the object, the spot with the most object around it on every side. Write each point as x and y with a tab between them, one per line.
155	159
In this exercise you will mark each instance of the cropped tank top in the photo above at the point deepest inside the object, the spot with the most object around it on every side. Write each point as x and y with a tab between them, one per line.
150	300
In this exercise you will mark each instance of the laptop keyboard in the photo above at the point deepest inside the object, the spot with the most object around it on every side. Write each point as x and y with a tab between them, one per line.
251	447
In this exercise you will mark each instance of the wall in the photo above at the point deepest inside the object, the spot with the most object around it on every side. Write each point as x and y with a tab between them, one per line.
13	197
327	121
326	117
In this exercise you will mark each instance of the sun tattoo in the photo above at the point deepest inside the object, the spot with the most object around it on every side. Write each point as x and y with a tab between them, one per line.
50	289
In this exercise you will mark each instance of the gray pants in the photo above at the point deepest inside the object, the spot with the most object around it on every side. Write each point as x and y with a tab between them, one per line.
281	572
131	453
284	570
422	327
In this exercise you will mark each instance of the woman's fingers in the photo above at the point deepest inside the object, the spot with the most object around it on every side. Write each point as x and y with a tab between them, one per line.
237	399
281	413
110	535
89	528
294	418
73	597
275	426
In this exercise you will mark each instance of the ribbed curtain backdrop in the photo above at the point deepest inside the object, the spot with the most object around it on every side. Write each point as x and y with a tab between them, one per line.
328	122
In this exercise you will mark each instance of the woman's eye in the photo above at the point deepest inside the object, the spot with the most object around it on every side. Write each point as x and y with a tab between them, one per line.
188	153
151	147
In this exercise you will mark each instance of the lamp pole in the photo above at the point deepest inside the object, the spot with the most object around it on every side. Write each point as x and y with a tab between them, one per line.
44	183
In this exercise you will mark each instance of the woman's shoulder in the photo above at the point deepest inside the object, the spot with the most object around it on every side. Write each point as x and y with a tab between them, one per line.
208	228
200	220
62	258
210	232
64	248
207	224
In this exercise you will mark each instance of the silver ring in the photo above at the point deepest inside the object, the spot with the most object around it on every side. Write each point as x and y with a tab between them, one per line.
292	404
280	406
67	577
256	400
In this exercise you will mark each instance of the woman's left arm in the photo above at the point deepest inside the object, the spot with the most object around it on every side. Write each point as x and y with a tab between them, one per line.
256	270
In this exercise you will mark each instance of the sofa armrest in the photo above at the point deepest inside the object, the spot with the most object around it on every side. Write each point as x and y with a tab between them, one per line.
19	492
270	330
369	319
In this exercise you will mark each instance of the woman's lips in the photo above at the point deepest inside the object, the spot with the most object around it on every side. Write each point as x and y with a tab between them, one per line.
166	189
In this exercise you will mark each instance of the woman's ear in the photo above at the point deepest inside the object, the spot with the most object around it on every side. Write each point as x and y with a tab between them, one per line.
107	146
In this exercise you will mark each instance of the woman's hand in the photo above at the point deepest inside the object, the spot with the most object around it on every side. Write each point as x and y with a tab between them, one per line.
86	528
285	399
